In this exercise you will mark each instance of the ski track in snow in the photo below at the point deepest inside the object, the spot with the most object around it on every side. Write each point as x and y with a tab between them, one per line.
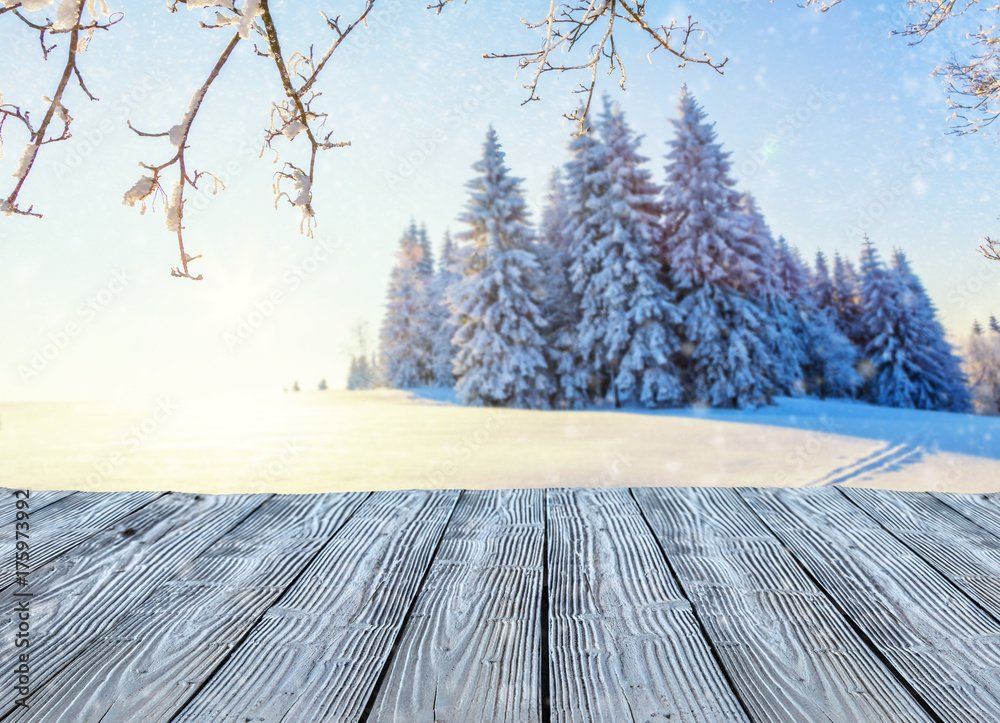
889	458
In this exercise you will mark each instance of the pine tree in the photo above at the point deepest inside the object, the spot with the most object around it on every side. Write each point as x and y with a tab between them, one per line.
426	264
982	366
500	358
846	299
946	384
994	325
821	285
586	180
405	348
771	275
727	362
626	329
909	362
560	306
829	357
442	329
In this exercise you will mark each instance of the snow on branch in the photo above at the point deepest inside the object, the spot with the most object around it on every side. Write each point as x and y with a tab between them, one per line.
69	20
294	114
148	186
290	117
991	249
973	84
568	23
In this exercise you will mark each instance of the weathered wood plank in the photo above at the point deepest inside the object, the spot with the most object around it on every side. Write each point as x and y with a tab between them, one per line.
938	640
624	642
149	664
982	509
85	591
471	650
963	552
37	499
787	649
316	655
67	522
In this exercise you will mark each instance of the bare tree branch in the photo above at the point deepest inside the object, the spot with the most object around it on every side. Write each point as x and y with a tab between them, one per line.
568	23
149	185
973	84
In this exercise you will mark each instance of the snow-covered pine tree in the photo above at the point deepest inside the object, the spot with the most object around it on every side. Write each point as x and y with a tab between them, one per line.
560	305
770	276
821	285
353	375
427	261
404	339
994	324
725	360
905	365
586	180
829	357
982	367
626	330
500	360
847	300
946	384
442	328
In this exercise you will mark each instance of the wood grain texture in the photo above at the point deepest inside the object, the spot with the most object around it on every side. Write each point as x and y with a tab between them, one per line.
37	499
963	552
150	662
946	647
624	642
87	590
317	653
470	652
982	509
788	651
65	523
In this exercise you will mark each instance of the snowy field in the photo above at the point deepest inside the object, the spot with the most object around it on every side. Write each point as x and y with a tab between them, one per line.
335	441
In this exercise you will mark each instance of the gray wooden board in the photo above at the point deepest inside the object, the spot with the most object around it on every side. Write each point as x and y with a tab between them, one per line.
85	591
787	649
946	647
37	499
982	509
317	653
624	642
963	552
67	522
470	652
151	661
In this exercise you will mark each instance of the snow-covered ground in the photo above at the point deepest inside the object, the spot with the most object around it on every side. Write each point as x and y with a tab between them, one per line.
332	441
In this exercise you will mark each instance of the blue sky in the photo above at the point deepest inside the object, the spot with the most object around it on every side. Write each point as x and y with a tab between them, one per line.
834	127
